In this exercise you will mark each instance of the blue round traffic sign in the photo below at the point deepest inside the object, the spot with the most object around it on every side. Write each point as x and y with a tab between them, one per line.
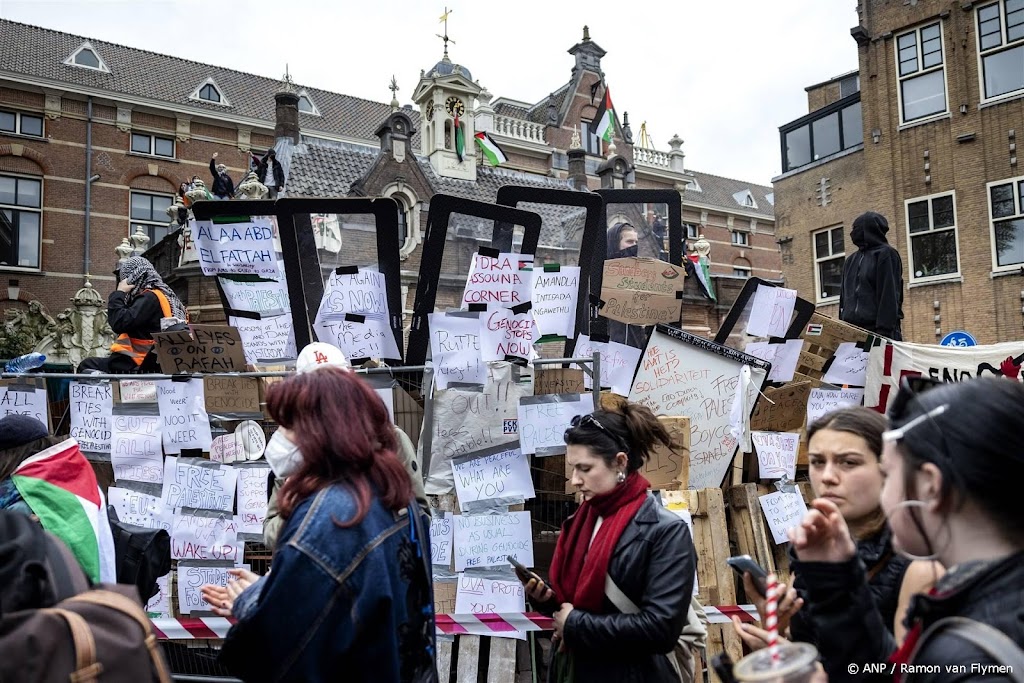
959	338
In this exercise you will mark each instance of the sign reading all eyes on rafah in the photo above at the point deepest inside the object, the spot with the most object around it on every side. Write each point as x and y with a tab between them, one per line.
641	291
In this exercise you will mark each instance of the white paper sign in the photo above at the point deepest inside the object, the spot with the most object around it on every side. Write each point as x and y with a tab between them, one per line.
776	453
359	336
783	511
363	292
554	300
505	333
208	486
479	595
267	339
245	248
503	281
503	472
190	582
783	357
824	401
159	606
139	509
441	538
247	442
137	391
17	402
618	363
205	538
771	311
455	350
183	409
135	448
252	498
542	424
849	366
488	540
92	419
266	297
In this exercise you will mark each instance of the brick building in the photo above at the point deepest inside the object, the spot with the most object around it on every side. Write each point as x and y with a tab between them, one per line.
924	133
95	138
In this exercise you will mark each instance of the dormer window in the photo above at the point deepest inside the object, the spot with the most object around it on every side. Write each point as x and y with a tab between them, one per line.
748	201
208	91
745	198
87	57
306	105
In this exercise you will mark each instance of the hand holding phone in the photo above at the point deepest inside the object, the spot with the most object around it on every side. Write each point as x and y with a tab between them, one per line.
524	575
744	563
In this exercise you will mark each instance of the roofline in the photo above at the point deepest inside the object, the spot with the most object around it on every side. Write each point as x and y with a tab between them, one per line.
508	100
832	80
738	212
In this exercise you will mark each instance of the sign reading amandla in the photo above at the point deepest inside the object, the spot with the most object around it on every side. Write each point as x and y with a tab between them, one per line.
642	291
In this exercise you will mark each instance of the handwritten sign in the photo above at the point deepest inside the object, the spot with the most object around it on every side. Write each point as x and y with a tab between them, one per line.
455	350
618	363
557	381
196	483
243	248
137	391
232	395
783	511
268	339
183	410
554	300
666	466
266	297
441	538
783	357
139	509
783	410
364	291
488	540
478	595
500	472
544	419
205	538
159	606
359	336
31	401
252	498
771	311
505	280
823	401
776	453
444	595
92	418
505	333
191	579
641	291
849	366
135	448
209	348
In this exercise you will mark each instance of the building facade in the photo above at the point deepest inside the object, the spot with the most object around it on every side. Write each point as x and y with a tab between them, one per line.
925	134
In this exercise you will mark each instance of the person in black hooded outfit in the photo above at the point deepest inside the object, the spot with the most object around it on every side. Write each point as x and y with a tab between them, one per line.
872	291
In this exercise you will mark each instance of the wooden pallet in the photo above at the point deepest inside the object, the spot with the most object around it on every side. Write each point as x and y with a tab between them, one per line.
821	346
483	659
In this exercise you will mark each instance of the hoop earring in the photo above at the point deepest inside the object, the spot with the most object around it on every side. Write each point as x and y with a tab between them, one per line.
909	505
620	477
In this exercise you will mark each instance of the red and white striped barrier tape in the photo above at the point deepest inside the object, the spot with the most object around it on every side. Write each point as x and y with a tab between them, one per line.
192	628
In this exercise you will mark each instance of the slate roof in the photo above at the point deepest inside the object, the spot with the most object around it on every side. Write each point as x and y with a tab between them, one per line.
719	191
319	170
40	52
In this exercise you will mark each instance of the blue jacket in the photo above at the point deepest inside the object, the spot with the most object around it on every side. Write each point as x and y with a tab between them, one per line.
351	604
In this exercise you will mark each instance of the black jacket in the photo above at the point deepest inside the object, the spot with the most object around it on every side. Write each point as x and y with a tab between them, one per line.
261	171
653	564
140	320
990	592
872	291
223	186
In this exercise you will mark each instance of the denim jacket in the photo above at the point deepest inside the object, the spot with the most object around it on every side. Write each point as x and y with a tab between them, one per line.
349	604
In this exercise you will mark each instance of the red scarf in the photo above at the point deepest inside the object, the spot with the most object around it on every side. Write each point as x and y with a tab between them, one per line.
579	567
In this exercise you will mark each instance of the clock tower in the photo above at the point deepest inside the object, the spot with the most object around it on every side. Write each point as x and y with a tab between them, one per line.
447	94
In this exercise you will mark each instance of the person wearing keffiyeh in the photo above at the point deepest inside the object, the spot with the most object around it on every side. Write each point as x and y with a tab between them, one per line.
141	305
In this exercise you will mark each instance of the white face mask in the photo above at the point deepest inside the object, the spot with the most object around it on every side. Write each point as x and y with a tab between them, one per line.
282	455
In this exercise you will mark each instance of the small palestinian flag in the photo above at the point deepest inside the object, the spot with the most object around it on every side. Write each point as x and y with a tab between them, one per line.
603	124
703	273
60	486
460	141
490	149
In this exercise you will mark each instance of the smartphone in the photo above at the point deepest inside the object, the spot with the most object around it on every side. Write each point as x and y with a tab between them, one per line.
525	574
744	563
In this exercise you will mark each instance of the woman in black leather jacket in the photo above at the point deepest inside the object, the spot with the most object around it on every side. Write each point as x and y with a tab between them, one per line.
953	463
621	543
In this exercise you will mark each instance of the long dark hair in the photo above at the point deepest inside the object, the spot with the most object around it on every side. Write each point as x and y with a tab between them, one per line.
345	435
632	426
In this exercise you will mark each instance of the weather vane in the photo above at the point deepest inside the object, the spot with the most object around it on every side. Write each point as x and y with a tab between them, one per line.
393	87
445	38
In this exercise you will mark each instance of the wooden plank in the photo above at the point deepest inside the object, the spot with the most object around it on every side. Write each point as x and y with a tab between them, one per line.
720	542
722	638
444	660
469	659
524	661
501	665
750	533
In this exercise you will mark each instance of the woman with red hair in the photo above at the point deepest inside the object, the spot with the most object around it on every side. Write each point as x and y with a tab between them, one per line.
349	595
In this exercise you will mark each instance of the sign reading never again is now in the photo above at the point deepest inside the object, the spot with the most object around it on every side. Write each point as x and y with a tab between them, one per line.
209	348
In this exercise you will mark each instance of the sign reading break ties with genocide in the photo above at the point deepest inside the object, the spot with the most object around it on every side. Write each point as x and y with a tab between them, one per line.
208	348
244	247
641	291
91	407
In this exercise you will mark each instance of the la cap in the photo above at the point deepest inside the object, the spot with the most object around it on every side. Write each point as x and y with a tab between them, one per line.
319	354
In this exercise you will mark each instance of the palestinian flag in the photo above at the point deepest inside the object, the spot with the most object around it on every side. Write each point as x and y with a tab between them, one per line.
490	149
460	141
60	487
703	273
603	124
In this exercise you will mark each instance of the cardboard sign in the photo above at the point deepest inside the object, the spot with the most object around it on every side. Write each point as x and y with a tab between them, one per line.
788	412
641	291
183	410
479	595
444	596
191	579
776	453
488	540
139	509
232	396
210	348
557	381
771	311
92	418
252	498
667	467
196	483
505	333
544	419
268	339
243	248
194	537
618	363
554	300
135	451
441	530
136	391
783	511
455	349
503	281
499	472
824	401
268	297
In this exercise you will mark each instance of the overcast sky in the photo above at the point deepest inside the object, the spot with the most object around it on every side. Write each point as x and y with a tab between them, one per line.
723	75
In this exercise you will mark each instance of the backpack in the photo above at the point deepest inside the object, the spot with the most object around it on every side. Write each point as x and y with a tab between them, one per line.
141	555
989	640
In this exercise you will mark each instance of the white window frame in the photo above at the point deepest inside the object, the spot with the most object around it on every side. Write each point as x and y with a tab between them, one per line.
316	110
132	222
152	144
921	70
1005	44
746	271
693	234
70	61
818	260
28	209
740	238
931	230
590	140
220	91
1019	214
18	127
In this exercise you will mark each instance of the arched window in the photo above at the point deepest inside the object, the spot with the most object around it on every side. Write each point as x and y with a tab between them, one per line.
403	219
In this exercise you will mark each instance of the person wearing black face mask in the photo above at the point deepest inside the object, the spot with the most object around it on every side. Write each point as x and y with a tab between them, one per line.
872	291
623	242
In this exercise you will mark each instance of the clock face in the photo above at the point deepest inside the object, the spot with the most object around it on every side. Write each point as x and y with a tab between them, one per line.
454	106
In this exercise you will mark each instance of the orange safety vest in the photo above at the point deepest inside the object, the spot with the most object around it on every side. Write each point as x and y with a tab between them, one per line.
136	349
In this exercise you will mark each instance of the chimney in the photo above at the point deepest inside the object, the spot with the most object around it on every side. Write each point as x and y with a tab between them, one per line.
286	114
577	162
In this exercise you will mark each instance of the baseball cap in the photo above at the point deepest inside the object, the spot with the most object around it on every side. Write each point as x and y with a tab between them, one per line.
319	354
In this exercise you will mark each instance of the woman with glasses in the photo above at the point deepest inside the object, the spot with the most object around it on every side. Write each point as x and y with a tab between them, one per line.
953	464
622	573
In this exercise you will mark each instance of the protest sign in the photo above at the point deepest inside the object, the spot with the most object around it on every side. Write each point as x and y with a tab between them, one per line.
848	366
270	338
209	348
354	291
139	509
783	357
247	442
159	606
488	540
497	472
135	448
92	415
358	335
783	511
136	391
618	363
198	483
641	291
241	248
506	332
504	280
455	349
232	396
824	401
665	467
444	595
544	419
266	297
18	399
252	498
557	381
191	579
776	454
195	537
783	410
477	594
183	411
554	300
441	538
771	312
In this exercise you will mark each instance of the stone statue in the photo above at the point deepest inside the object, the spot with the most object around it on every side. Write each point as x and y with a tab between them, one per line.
252	188
80	331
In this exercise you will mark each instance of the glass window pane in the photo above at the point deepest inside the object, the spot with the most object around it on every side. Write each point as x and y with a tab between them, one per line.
160	205
988	13
907	40
1010	242
942	212
830	275
209	93
853	126
1004	71
1014	5
305	105
826	135
798	147
7	257
7	185
28	192
1015	25
934	253
821	244
7	121
28	239
924	95
164	147
87	58
31	125
837	241
917	216
140	143
141	207
991	36
929	33
932	54
1002	201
